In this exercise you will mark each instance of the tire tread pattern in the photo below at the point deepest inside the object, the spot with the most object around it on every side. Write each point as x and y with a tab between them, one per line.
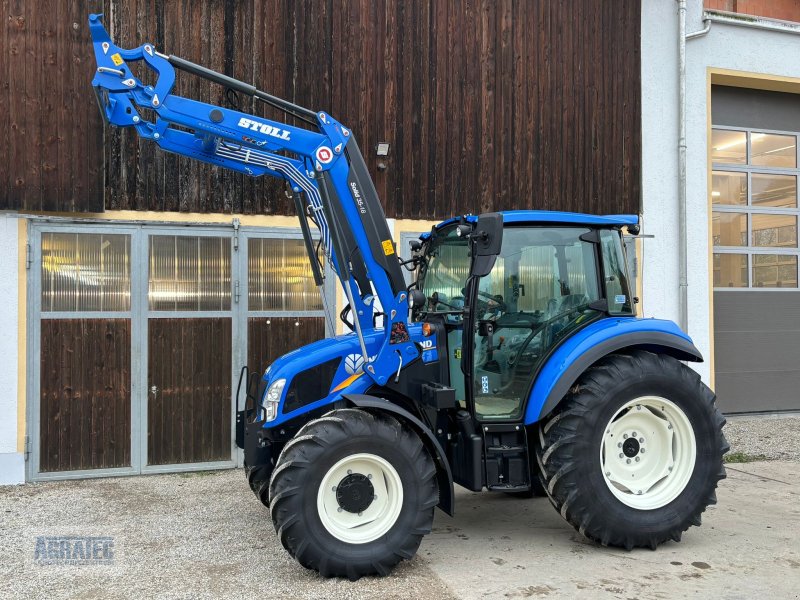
559	451
312	442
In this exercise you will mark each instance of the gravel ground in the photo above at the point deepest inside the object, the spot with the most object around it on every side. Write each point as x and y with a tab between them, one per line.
204	535
175	536
770	437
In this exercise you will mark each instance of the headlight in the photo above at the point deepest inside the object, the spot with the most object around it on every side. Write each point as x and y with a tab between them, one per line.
272	399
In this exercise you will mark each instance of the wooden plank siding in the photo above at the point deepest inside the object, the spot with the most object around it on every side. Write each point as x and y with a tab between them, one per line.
189	411
269	338
52	159
487	104
85	404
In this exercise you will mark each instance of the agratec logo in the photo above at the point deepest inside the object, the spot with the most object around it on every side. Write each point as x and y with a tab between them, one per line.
246	123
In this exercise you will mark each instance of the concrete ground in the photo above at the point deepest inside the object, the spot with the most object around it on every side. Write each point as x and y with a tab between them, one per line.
205	535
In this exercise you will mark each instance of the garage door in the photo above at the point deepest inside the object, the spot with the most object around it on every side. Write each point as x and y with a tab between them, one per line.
755	219
137	336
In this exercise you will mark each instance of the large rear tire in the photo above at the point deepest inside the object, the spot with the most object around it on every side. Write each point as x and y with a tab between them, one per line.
633	454
353	493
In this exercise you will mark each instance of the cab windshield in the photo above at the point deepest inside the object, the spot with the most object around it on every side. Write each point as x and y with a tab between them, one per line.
447	270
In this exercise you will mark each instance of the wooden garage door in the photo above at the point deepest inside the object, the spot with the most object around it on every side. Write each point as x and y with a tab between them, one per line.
85	352
189	332
189	411
85	394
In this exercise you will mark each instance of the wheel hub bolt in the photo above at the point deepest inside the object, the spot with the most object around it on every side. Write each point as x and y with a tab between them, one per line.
634	434
641	440
628	461
608	473
642	450
669	426
369	475
639	493
339	509
624	436
622	455
638	407
361	513
375	497
349	471
334	489
637	459
619	444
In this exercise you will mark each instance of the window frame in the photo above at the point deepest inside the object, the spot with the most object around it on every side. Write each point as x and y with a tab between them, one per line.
748	169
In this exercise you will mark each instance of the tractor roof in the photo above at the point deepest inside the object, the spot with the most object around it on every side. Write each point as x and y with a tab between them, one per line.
534	217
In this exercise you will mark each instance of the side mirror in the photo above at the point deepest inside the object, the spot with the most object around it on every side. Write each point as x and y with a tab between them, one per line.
486	241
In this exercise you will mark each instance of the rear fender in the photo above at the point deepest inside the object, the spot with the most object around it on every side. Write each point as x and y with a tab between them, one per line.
444	475
592	343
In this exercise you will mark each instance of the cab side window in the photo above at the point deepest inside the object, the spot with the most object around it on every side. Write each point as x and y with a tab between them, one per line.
616	275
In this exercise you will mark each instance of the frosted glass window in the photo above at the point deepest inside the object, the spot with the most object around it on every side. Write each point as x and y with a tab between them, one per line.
279	277
776	191
728	188
86	272
189	273
763	192
728	147
774	230
774	270
730	229
769	150
730	270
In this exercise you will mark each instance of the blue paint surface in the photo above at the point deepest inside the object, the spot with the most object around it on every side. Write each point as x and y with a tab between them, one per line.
582	341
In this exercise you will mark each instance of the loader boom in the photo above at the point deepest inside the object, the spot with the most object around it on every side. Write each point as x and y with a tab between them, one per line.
322	166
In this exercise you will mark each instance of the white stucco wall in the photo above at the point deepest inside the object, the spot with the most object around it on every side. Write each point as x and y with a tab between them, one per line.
726	46
12	463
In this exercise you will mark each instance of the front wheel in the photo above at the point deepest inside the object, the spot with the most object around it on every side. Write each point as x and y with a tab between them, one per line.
353	493
632	456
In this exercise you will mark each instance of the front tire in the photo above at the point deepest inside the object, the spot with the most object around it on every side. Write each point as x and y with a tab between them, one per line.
258	479
353	493
633	454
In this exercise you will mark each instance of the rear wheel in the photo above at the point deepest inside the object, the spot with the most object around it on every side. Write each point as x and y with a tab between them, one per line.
632	456
353	494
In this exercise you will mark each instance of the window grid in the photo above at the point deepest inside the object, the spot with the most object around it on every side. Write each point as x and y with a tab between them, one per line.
792	253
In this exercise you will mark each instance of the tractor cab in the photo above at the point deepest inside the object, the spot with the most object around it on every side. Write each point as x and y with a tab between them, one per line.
553	274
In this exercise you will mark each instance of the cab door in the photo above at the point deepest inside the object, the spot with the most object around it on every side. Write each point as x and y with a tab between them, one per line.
543	286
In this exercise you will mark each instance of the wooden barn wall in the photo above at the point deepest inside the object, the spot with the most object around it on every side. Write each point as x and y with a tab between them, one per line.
487	104
51	158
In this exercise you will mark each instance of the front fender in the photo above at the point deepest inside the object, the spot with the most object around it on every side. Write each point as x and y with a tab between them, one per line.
592	343
444	475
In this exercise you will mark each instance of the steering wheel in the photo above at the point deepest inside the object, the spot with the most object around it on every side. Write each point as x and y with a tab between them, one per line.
496	298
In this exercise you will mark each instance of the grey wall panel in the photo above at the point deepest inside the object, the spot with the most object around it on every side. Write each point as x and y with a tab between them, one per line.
757	350
759	109
758	392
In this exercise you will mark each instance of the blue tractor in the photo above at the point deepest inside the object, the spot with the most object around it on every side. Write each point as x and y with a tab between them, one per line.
514	362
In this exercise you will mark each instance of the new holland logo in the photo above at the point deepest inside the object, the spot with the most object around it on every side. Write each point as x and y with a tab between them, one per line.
353	363
246	123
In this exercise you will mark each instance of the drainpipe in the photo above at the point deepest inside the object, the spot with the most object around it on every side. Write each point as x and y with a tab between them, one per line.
683	267
683	264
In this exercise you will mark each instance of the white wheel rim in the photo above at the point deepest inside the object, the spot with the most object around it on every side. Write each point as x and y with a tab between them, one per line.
379	517
665	452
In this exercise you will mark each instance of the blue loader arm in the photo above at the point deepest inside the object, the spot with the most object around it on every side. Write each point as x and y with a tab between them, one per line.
321	164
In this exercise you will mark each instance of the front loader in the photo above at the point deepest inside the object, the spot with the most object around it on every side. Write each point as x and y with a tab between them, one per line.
513	363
